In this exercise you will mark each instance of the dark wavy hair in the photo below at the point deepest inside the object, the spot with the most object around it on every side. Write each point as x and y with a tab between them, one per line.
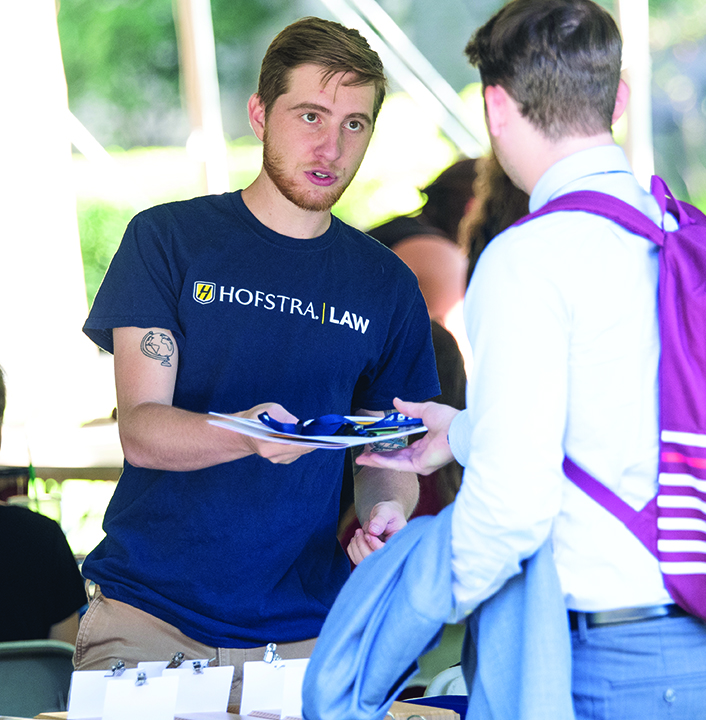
498	204
3	395
558	59
335	48
448	195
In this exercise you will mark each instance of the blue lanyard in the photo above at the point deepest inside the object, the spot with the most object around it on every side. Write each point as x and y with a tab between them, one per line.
327	425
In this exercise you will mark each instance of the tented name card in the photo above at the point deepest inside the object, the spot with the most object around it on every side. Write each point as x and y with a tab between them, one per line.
142	699
178	687
202	690
273	689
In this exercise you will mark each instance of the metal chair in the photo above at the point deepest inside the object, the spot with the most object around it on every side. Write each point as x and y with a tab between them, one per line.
35	676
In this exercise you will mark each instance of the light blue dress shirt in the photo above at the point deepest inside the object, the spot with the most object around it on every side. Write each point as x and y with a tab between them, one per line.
561	315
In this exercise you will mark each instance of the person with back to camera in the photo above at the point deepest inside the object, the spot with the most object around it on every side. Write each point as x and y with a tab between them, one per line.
216	543
43	588
561	314
428	241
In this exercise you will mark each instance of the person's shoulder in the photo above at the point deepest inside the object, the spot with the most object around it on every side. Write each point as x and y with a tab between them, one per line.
202	206
18	519
362	239
557	248
559	227
186	228
369	251
402	227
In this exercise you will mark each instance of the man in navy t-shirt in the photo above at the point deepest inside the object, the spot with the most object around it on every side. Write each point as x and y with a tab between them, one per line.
217	543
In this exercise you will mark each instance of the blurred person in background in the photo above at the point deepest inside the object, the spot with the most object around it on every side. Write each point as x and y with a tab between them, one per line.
43	590
498	204
427	240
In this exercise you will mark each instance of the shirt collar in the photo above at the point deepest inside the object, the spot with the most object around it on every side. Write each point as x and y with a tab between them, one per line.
566	174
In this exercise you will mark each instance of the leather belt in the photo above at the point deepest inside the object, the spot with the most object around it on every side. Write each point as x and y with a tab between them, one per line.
625	615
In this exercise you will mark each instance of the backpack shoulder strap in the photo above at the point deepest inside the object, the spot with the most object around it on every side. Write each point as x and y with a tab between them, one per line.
685	213
606	206
599	492
641	523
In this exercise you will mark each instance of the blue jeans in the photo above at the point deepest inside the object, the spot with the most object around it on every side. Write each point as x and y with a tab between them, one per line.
640	671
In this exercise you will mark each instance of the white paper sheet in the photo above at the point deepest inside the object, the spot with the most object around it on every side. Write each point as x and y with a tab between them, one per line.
254	428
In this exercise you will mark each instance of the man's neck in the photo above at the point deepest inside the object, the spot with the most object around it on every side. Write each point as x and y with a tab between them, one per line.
547	153
276	212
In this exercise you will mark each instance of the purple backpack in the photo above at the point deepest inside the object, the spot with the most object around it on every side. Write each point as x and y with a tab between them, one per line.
672	526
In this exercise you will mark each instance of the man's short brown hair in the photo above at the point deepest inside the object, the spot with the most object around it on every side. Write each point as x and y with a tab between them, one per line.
558	59
335	48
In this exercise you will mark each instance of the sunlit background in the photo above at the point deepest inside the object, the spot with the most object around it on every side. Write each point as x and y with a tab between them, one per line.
131	140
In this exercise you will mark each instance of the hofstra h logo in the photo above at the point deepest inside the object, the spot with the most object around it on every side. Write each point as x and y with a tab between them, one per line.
204	292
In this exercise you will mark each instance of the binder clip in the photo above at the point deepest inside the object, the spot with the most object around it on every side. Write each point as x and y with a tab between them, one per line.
177	659
116	670
271	653
199	666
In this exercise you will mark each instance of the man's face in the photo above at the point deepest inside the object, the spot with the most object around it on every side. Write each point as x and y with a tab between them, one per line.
315	137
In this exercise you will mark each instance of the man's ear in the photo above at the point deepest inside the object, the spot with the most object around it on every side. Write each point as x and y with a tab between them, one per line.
621	100
256	114
496	108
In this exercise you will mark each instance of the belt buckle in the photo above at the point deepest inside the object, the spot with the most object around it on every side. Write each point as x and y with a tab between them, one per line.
624	616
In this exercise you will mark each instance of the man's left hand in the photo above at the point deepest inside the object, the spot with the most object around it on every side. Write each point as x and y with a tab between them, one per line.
386	518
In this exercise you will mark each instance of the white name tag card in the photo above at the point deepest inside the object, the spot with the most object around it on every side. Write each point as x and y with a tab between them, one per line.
292	693
154	699
274	688
207	690
87	691
151	691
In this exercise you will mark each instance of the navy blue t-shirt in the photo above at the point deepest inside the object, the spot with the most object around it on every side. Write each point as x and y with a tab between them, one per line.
245	553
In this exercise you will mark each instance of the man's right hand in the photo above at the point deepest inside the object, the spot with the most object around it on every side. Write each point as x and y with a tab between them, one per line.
426	455
279	453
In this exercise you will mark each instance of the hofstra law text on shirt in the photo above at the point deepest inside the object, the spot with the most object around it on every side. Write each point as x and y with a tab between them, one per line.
206	292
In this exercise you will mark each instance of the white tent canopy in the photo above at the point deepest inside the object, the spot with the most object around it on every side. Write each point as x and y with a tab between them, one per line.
55	376
49	364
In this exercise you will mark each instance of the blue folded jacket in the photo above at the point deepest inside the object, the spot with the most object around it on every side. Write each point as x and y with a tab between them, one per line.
393	608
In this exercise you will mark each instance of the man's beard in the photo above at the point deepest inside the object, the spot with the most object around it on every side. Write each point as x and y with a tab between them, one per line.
272	164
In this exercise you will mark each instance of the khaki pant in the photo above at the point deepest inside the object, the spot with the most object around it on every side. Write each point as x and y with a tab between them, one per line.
112	630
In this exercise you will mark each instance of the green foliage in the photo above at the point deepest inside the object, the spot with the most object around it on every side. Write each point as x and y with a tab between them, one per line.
700	202
673	8
237	21
121	59
123	51
101	226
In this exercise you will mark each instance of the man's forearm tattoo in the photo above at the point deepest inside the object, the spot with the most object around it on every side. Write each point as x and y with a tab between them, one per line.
158	346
